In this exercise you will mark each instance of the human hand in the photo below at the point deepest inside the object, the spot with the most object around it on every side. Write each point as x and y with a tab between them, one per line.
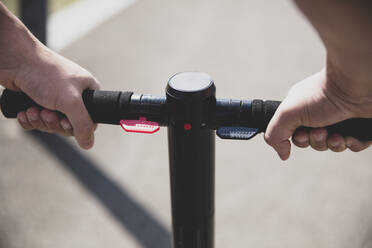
51	80
317	101
56	83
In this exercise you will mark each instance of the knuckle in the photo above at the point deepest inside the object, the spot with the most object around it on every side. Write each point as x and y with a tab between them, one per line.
281	120
68	101
285	115
274	136
269	138
74	100
86	79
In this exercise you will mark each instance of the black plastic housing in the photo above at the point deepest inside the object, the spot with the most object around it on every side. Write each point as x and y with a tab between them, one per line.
190	100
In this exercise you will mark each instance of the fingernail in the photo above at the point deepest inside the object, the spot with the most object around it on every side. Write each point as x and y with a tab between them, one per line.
22	118
318	138
66	126
334	145
47	118
301	139
348	144
33	116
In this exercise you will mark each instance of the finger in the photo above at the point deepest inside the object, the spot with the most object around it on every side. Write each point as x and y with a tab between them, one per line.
23	121
67	127
318	139
280	129
301	138
356	145
336	143
33	117
51	120
82	124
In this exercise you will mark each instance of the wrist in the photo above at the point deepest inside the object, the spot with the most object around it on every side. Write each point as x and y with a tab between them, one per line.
17	50
352	93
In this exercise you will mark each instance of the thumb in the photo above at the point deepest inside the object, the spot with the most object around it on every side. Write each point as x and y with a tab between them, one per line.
82	124
280	129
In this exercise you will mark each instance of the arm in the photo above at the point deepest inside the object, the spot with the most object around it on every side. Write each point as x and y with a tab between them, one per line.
342	90
49	79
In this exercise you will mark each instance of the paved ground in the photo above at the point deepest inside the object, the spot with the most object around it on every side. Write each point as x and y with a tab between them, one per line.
117	195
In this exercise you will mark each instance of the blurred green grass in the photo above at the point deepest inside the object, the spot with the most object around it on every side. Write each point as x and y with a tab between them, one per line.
54	5
12	5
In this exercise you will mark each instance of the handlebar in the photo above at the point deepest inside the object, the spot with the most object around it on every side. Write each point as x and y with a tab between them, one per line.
110	107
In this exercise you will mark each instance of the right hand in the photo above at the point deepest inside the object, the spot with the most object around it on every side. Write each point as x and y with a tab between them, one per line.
316	102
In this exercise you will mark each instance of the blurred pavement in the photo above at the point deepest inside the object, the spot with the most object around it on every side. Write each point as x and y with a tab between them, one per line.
52	194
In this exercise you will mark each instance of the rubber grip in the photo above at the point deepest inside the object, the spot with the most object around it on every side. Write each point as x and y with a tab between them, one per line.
262	112
13	102
107	107
359	128
103	106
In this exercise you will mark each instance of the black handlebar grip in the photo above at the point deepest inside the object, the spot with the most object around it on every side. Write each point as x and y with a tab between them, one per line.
103	106
13	102
107	106
359	128
262	112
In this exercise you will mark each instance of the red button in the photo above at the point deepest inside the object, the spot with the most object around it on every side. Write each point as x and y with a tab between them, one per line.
187	126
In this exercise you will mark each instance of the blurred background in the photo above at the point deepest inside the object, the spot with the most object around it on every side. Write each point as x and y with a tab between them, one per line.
53	194
54	5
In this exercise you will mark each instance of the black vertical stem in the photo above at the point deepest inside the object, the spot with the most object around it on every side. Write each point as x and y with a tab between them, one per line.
34	16
191	155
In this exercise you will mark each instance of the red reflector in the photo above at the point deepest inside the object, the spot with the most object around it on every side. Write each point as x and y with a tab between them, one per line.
140	126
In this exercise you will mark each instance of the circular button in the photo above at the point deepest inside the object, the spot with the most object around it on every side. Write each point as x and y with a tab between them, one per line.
190	81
